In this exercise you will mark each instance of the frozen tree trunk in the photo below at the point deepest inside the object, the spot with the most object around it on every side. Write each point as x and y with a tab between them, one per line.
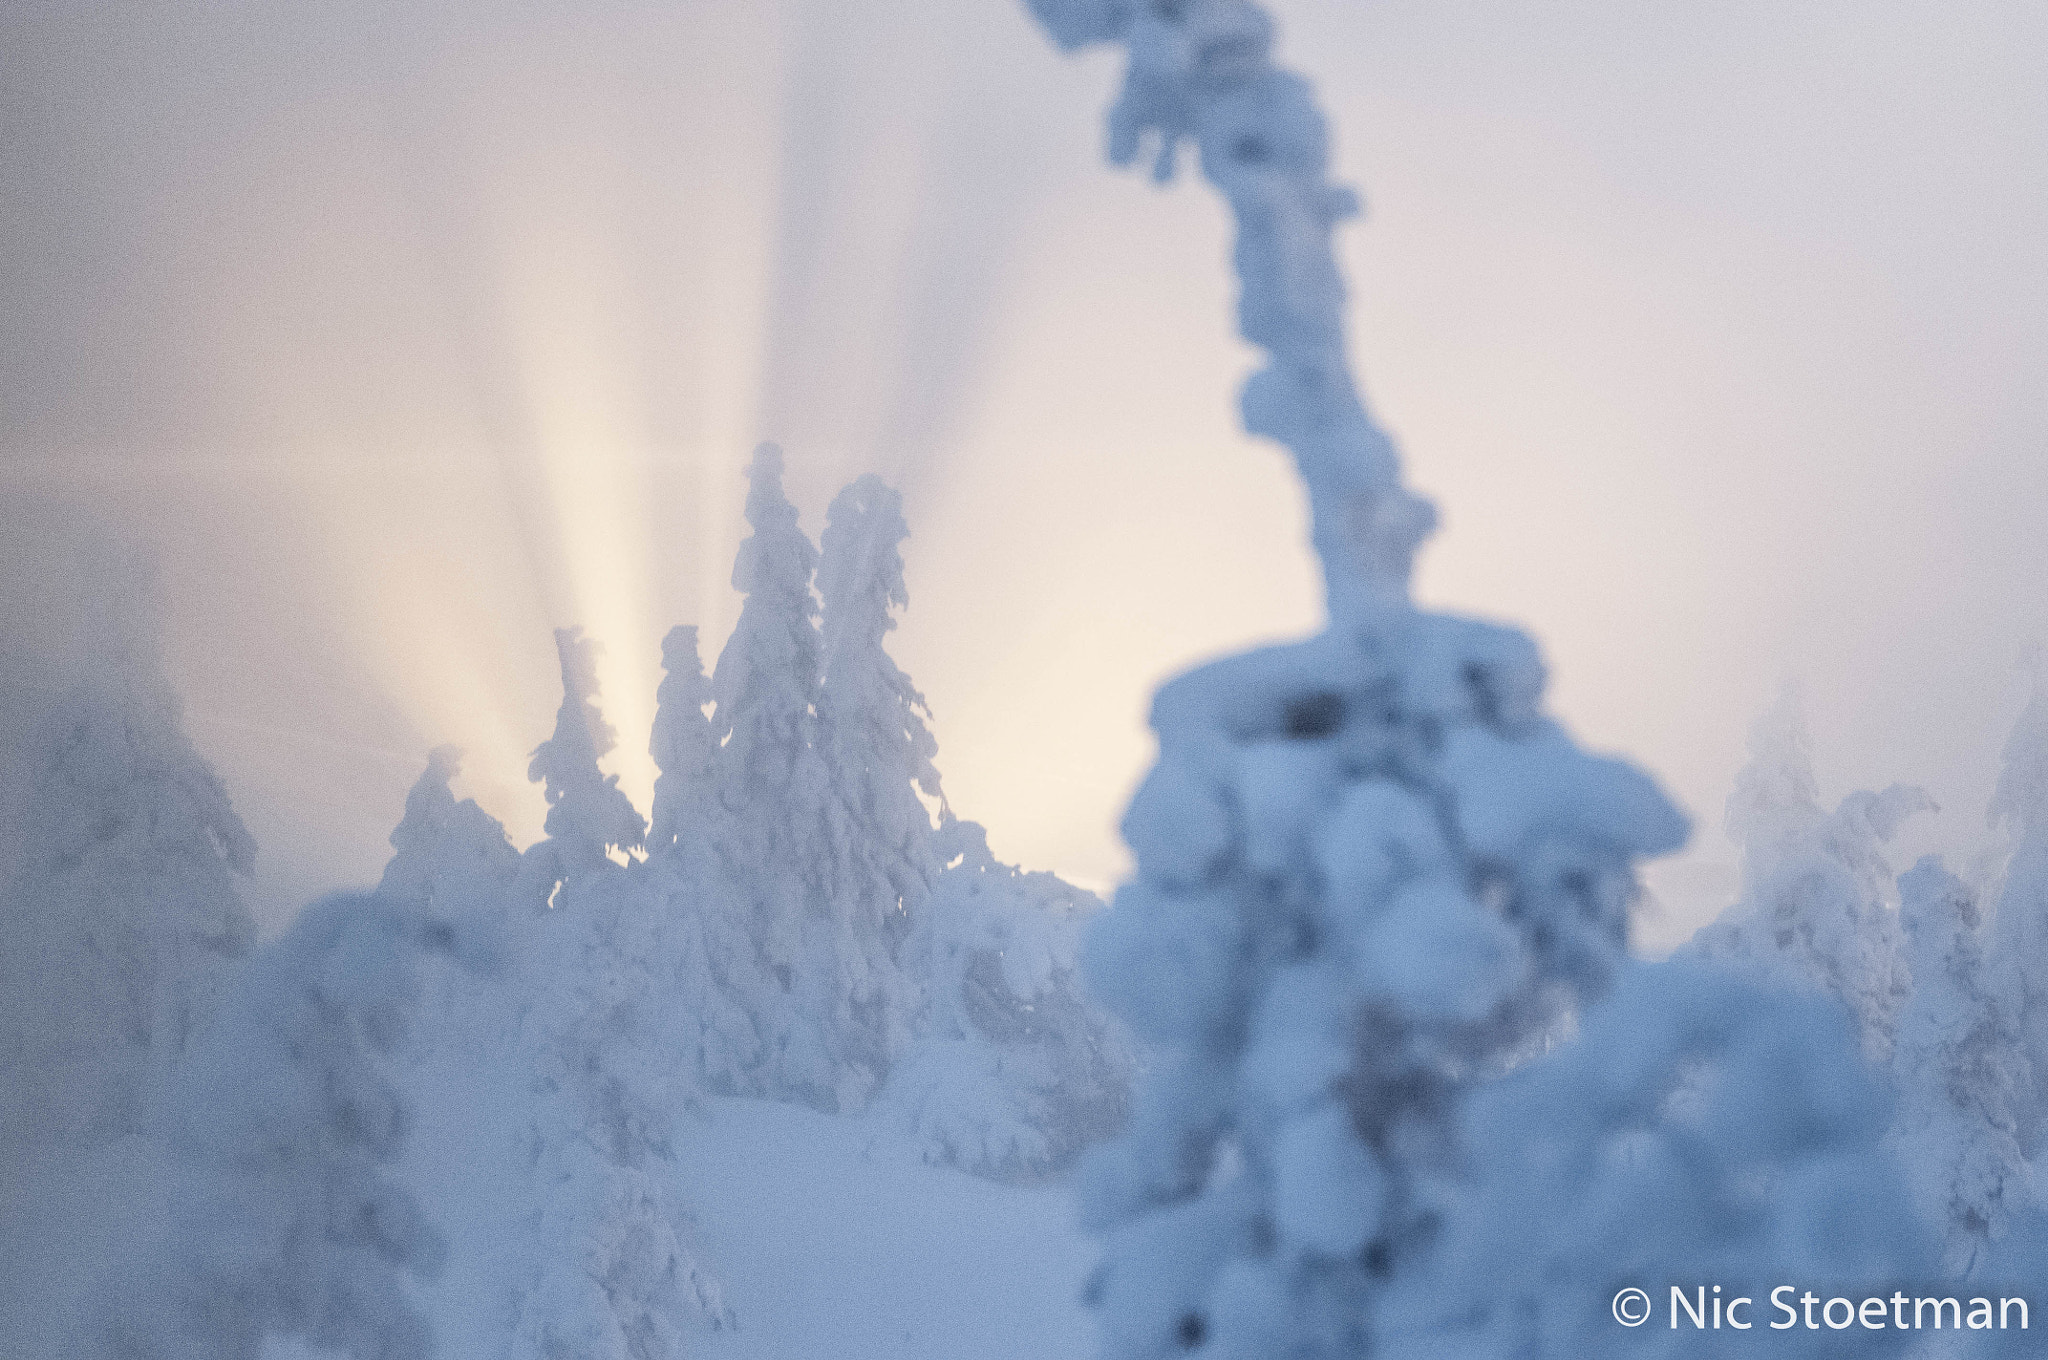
1199	71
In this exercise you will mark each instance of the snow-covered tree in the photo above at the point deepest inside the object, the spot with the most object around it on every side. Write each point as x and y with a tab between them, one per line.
120	920
1371	874
1012	1070
1957	1069
776	808
681	744
879	755
2020	924
1702	1130
879	748
612	1277
450	858
588	814
1816	903
766	684
282	1218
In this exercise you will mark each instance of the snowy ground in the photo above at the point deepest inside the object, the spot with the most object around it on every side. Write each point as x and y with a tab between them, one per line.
835	1244
831	1241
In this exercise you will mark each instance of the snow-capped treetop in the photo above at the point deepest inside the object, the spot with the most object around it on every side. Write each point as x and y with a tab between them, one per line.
681	743
588	814
768	674
877	741
447	855
1200	69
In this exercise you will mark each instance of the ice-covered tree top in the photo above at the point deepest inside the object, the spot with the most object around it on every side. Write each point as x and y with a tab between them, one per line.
681	741
585	805
1201	70
878	733
767	676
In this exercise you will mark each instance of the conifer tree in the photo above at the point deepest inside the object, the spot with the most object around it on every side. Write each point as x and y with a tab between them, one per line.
448	857
766	685
776	808
1371	874
588	814
121	921
2019	806
604	1035
1012	1071
879	753
282	1218
1815	907
681	744
1957	1069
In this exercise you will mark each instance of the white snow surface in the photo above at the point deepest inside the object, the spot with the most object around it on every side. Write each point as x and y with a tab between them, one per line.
833	1239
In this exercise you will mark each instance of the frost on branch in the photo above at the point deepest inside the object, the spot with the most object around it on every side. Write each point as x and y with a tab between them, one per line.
1700	1127
1199	70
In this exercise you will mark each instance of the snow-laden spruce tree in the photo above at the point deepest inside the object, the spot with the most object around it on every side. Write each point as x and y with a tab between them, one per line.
1371	874
1699	1130
282	1218
551	1081
1012	1069
120	920
775	805
879	754
450	858
609	1274
1816	904
682	744
589	816
1958	1072
2020	923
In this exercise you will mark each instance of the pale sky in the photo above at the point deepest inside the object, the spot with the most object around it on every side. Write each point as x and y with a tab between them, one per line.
408	331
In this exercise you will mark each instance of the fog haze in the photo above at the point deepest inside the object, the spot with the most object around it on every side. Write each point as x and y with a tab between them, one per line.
404	334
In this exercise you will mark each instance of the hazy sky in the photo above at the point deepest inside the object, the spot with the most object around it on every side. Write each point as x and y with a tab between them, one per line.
406	332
